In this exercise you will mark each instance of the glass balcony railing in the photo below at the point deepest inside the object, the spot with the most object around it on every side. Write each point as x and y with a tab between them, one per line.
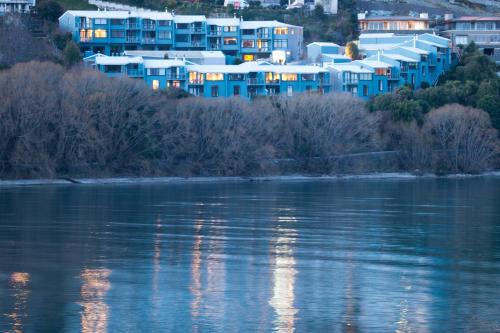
255	81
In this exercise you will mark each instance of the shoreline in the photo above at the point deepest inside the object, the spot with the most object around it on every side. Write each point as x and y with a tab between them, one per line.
236	179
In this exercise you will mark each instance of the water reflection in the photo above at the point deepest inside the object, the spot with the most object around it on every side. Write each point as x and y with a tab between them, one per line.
95	285
19	282
284	273
196	272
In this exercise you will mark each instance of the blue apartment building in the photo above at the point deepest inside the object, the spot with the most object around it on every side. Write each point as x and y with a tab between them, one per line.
248	80
113	32
390	62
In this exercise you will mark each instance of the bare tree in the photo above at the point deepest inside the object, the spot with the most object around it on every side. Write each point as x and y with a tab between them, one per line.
463	138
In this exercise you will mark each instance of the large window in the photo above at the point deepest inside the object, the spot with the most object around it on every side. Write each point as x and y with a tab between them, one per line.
307	77
164	35
230	41
182	38
281	31
117	33
156	84
230	29
214	77
289	77
100	21
156	71
248	43
365	76
272	77
182	26
248	32
116	22
280	43
381	71
195	77
375	25
464	26
112	69
164	23
461	40
100	33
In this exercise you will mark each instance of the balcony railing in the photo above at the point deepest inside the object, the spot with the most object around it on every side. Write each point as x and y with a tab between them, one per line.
214	47
393	76
83	25
255	81
175	76
135	72
262	35
197	30
148	26
263	49
214	32
196	81
130	25
273	81
198	43
148	40
132	39
351	81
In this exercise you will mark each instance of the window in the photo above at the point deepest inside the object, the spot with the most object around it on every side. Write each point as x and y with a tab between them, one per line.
156	84
272	77
248	57
116	22
182	38
164	35
99	21
365	76
214	91
214	77
307	77
289	77
280	43
248	43
236	77
112	69
365	90
380	71
236	90
85	34
117	33
164	23
156	71
248	32
230	29
100	33
182	26
197	91
289	91
375	25
195	77
281	31
262	44
230	41
461	40
380	85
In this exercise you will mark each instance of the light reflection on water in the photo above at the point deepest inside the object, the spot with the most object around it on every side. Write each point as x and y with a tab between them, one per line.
348	256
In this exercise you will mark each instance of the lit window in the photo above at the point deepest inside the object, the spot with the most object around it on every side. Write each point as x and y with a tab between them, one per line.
230	41
272	77
289	77
101	33
214	76
195	77
380	71
156	84
281	31
248	57
248	43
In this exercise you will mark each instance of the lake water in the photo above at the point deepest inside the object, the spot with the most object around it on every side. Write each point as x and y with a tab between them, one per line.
305	256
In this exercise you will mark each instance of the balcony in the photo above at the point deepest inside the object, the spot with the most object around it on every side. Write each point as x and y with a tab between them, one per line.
175	76
393	76
149	26
132	39
197	30
132	26
351	81
198	43
135	72
148	40
273	82
254	81
214	32
263	49
212	47
83	25
196	81
262	35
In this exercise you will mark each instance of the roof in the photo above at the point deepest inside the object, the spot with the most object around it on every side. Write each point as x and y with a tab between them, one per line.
335	56
194	54
263	24
475	18
323	44
189	18
223	21
146	53
118	60
164	63
415	49
120	14
376	35
399	57
374	63
351	67
394	18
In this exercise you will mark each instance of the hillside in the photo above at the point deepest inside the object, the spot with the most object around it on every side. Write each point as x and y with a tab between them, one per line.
433	7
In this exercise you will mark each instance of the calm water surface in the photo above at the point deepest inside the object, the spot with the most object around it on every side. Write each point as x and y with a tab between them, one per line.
310	256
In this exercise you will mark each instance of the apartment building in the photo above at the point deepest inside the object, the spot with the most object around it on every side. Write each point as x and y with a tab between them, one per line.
247	80
484	31
394	24
113	32
390	62
16	6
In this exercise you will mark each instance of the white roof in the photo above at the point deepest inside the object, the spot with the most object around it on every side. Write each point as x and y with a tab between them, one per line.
189	18
223	22
146	53
213	54
263	24
322	44
375	63
118	60
375	47
354	68
335	56
400	57
120	14
376	35
415	50
155	63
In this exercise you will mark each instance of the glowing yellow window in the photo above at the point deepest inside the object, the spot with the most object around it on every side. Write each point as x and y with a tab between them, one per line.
289	77
248	57
281	31
156	84
214	77
101	33
272	77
